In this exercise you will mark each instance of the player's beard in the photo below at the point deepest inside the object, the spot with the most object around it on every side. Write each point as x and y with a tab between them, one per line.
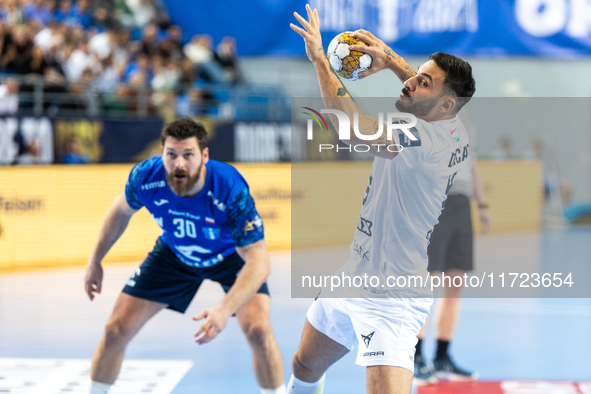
418	106
182	186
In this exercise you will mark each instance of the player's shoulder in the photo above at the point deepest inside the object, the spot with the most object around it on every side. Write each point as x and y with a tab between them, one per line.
226	179
443	134
147	171
223	172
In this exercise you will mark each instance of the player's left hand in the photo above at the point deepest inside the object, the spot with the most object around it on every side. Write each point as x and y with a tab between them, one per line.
215	321
310	34
382	55
485	221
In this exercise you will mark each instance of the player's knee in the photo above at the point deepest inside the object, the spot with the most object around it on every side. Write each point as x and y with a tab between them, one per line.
117	334
301	369
258	334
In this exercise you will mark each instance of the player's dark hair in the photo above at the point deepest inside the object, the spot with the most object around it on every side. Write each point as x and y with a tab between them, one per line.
184	128
459	80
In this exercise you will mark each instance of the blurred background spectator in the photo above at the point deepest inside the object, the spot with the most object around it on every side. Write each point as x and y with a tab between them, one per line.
9	97
122	57
74	152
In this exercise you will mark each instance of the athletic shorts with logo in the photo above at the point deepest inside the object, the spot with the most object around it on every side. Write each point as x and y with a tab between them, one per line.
384	329
162	277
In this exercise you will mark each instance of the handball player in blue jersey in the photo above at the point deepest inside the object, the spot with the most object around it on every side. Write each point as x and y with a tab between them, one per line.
211	230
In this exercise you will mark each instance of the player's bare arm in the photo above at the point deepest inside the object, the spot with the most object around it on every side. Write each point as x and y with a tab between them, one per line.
256	269
383	56
334	93
113	227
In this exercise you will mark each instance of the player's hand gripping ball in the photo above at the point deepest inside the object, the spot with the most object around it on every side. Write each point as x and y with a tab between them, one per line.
348	64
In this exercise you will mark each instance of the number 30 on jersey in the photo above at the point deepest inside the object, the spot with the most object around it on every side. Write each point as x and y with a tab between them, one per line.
184	228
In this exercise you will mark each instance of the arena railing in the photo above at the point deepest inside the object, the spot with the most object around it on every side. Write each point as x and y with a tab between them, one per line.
39	96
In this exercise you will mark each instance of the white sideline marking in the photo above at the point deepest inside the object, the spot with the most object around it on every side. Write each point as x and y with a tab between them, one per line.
71	376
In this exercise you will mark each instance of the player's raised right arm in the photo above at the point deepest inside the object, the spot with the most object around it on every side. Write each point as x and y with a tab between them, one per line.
113	227
334	94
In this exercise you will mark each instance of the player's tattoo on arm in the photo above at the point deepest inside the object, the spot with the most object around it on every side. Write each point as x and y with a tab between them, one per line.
406	71
389	54
383	138
410	72
342	91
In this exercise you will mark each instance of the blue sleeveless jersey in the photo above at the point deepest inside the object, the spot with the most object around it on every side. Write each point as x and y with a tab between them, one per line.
204	229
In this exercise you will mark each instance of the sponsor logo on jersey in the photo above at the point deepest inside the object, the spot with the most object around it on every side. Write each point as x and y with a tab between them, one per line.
364	226
188	251
186	214
367	338
161	202
219	205
364	254
248	226
258	222
459	155
202	264
153	185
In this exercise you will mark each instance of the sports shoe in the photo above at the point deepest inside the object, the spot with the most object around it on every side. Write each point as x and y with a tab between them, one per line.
424	374
446	369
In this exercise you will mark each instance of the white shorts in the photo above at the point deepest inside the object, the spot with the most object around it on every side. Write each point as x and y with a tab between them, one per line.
385	329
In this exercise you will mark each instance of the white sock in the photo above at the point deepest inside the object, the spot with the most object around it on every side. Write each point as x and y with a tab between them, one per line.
278	390
296	386
99	388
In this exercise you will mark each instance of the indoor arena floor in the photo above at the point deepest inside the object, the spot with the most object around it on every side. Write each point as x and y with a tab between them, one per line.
49	329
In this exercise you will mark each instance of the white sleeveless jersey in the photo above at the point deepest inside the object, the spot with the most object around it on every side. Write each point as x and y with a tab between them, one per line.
402	203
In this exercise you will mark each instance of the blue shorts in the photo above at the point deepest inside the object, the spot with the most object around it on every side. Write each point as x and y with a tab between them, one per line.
163	278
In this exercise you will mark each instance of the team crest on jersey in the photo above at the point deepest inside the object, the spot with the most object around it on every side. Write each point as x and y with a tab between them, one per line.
211	233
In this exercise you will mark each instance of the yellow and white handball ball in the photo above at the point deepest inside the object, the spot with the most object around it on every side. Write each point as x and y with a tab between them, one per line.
347	63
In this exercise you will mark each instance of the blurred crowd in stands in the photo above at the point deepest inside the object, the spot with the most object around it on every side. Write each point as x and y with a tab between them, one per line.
109	55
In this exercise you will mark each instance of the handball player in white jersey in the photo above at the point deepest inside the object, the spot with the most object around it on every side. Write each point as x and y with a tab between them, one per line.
403	199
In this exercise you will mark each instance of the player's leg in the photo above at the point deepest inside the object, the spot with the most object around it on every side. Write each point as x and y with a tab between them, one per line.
384	379
327	336
458	260
129	315
311	360
253	318
448	308
387	330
